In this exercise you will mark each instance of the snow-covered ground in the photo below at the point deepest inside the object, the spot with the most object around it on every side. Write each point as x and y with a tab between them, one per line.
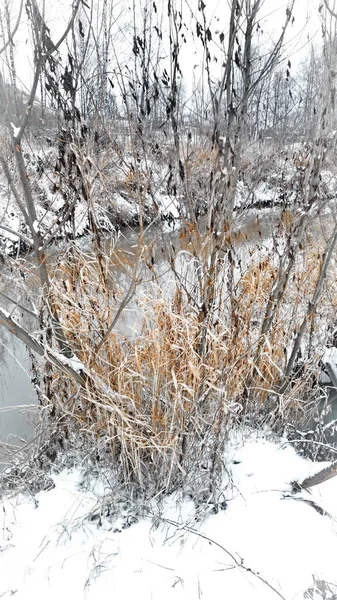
263	543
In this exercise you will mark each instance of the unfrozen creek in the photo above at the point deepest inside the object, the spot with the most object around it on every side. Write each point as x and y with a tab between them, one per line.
17	396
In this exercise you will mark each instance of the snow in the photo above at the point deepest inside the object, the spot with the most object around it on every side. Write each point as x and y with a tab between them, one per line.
168	206
74	363
330	362
13	222
330	356
266	544
16	130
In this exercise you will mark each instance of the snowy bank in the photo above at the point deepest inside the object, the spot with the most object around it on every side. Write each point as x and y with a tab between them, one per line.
262	543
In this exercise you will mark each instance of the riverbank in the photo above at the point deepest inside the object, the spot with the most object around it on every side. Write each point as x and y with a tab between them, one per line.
129	192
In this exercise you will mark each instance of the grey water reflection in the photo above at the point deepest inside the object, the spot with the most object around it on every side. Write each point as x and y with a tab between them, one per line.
17	395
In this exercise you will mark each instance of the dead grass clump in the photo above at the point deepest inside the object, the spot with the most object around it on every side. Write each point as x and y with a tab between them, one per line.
155	398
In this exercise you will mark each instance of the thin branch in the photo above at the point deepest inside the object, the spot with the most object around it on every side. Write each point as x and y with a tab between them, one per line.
17	139
40	63
37	347
123	304
14	189
239	563
18	305
312	304
59	222
63	37
332	13
18	234
11	35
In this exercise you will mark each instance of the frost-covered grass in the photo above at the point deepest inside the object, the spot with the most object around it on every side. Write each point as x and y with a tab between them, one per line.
158	399
259	542
236	335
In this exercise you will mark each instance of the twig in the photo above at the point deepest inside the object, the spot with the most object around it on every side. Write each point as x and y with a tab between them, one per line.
332	13
18	234
240	564
18	305
326	446
12	33
122	305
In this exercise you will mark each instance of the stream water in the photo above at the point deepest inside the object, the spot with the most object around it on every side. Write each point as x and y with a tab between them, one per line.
17	396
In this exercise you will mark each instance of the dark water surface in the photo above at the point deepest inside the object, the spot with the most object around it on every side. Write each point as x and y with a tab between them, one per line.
16	392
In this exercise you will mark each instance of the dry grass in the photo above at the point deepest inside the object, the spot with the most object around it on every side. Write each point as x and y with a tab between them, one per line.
155	398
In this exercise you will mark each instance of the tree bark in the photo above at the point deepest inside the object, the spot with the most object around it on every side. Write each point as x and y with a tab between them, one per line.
40	349
320	477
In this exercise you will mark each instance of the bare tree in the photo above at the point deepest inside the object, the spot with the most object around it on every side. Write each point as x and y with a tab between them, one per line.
44	50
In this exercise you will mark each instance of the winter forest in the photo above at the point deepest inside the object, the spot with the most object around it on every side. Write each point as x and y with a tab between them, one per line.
168	270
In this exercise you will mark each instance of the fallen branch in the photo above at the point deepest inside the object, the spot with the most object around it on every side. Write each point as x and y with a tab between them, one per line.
320	477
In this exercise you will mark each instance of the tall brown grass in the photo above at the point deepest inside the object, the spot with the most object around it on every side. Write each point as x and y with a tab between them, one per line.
154	399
